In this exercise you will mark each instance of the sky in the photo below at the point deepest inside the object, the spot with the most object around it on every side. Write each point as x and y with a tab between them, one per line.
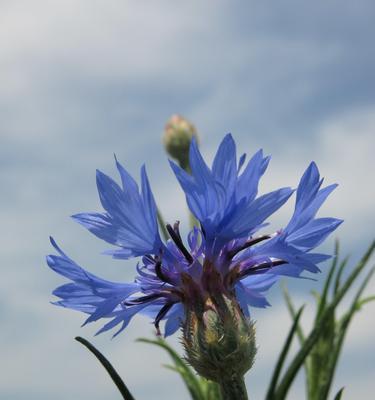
81	80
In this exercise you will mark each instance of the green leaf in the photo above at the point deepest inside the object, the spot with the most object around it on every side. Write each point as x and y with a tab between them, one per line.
300	335
339	394
316	296
293	313
362	302
126	395
192	382
320	354
323	298
342	266
340	335
320	325
282	357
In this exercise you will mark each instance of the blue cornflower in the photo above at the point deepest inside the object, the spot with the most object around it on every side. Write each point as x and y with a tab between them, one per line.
223	256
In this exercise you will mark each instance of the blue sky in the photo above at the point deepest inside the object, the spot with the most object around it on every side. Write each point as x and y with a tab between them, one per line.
81	80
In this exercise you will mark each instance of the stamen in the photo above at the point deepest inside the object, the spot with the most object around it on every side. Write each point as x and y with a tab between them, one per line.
161	314
176	228
203	231
145	299
149	258
160	274
175	236
247	244
261	267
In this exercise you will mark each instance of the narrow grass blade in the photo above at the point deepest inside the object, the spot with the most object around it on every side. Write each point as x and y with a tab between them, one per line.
293	313
344	325
364	301
126	395
310	341
339	394
323	298
300	335
282	357
191	381
357	270
342	266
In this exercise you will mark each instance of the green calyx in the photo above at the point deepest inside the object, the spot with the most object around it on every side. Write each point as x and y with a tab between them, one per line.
220	341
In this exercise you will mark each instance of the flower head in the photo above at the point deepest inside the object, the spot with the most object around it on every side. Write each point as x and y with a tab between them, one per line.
225	258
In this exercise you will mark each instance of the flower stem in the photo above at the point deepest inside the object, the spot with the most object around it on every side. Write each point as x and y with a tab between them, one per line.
233	389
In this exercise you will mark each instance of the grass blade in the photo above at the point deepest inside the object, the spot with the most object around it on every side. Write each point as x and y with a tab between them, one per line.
364	301
339	394
126	395
310	341
342	266
293	313
300	335
190	379
323	298
283	354
345	321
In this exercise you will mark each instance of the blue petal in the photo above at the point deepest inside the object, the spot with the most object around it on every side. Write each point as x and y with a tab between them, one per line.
149	204
105	308
241	162
199	168
205	196
124	317
309	198
251	290
101	225
257	212
219	198
242	299
128	183
302	216
130	221
314	233
308	186
224	167
87	292
247	185
174	320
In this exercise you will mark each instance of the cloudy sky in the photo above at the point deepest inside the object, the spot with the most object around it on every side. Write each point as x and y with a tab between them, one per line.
81	80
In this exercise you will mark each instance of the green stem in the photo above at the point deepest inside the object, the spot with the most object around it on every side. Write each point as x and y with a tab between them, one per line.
233	388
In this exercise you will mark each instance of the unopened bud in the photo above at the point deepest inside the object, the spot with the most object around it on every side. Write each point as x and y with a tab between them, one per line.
177	137
220	341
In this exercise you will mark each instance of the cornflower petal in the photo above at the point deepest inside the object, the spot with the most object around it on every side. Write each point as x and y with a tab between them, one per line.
303	233
87	292
313	233
224	167
251	290
248	181
174	319
130	221
245	220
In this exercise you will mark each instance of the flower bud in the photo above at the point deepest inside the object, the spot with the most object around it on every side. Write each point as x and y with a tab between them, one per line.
177	137
220	341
